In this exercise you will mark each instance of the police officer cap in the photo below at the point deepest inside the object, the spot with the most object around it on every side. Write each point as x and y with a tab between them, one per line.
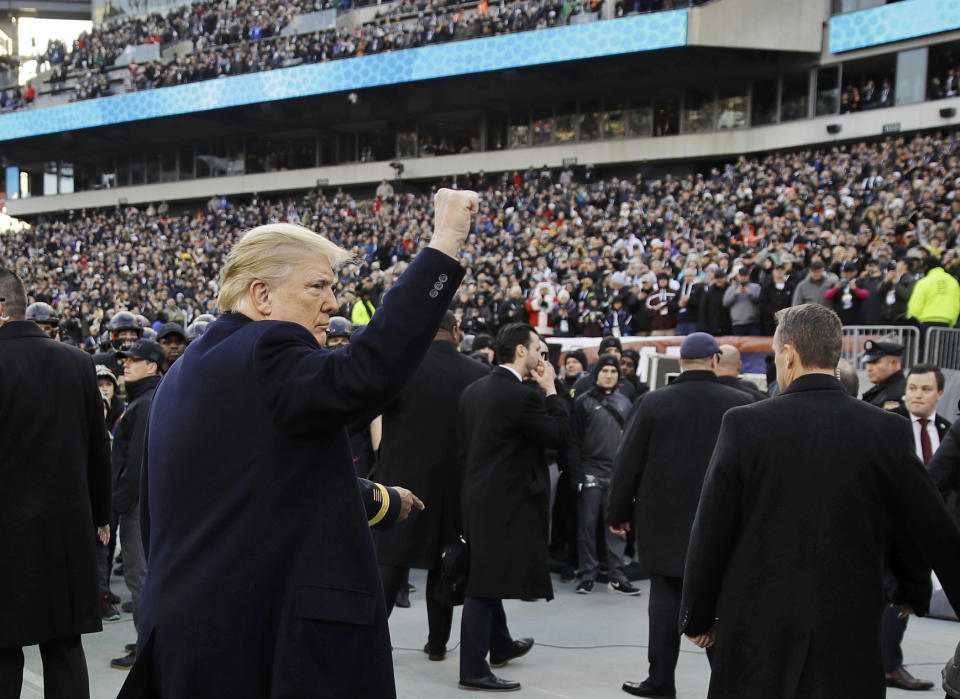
145	349
171	329
699	346
877	350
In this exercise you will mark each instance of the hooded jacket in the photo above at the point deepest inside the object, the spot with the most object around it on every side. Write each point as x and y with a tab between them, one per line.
127	453
597	426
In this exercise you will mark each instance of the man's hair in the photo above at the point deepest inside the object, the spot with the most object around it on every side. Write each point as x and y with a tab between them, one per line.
509	337
814	331
14	295
849	379
448	322
928	369
270	253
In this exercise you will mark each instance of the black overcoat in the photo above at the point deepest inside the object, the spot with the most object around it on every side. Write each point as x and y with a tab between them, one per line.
505	427
54	487
659	468
799	508
261	575
419	452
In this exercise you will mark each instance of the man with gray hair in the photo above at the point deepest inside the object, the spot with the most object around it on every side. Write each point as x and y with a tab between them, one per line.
799	508
262	579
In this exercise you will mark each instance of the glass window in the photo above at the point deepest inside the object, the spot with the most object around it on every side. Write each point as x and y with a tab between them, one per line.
698	111
732	106
911	78
66	178
828	90
138	169
518	135
764	102
168	165
304	154
407	143
666	113
640	118
123	170
591	116
566	123
543	124
50	178
496	131
186	162
615	120
153	168
796	96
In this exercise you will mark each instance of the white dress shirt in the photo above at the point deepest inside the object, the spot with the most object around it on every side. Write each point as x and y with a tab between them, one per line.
520	379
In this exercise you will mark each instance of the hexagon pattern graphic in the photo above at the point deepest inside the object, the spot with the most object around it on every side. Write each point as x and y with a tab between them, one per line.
591	40
894	22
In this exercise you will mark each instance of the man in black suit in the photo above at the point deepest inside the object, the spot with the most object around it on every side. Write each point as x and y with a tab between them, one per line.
924	389
418	451
261	574
799	506
505	427
54	500
656	483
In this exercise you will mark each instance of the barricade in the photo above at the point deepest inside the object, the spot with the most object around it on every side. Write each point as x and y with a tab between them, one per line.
856	336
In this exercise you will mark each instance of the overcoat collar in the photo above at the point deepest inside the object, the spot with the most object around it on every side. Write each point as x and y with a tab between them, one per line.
235	317
16	329
814	382
695	375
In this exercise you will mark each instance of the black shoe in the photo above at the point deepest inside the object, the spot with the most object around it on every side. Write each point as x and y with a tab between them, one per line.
642	689
411	589
624	588
108	612
114	599
434	656
568	574
585	587
490	683
403	598
127	607
130	647
124	663
519	648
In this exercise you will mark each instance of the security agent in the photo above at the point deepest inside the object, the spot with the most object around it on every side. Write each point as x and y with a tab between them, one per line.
44	315
173	338
124	330
339	332
885	373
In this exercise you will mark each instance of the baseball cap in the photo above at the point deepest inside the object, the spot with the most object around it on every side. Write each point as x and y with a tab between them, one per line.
816	264
145	349
874	350
699	346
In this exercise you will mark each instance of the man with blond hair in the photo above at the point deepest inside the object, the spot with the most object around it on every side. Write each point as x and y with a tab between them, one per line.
262	577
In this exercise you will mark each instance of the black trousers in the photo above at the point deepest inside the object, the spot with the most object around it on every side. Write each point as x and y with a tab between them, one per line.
891	636
439	615
64	670
483	629
664	643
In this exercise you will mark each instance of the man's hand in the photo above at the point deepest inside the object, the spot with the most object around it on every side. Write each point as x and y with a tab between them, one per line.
103	533
620	530
452	211
905	610
705	640
407	501
545	376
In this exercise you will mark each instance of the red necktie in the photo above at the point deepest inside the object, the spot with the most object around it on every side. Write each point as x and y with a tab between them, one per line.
925	447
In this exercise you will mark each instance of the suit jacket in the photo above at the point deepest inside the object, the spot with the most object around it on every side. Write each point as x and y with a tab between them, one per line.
504	429
659	468
260	562
944	467
54	487
747	387
801	501
941	423
419	452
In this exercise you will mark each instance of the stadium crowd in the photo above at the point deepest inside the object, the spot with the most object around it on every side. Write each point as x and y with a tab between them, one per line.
853	227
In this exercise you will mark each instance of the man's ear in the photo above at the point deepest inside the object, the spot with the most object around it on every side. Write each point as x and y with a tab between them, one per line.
260	297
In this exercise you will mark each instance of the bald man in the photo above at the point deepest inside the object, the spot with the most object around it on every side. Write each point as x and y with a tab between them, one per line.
728	372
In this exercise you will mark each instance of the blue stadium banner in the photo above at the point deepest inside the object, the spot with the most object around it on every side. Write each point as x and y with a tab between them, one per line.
894	22
646	32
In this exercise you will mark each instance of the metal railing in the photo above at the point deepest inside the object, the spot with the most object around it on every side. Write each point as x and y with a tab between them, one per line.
855	336
942	347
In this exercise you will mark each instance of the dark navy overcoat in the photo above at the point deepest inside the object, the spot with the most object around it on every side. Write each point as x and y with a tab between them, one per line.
261	574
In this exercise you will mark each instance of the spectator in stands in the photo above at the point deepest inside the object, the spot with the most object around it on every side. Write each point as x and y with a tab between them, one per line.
935	299
660	307
743	300
688	302
813	288
775	295
845	296
714	314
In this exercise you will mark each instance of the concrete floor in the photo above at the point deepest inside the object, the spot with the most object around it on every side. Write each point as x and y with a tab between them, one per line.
586	646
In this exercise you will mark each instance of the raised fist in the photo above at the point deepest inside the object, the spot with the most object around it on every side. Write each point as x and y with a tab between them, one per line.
452	212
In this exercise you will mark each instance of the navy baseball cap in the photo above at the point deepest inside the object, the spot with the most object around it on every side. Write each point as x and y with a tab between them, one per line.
145	349
699	346
171	329
877	350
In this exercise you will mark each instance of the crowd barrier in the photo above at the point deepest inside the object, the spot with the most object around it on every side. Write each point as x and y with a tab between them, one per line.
856	336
